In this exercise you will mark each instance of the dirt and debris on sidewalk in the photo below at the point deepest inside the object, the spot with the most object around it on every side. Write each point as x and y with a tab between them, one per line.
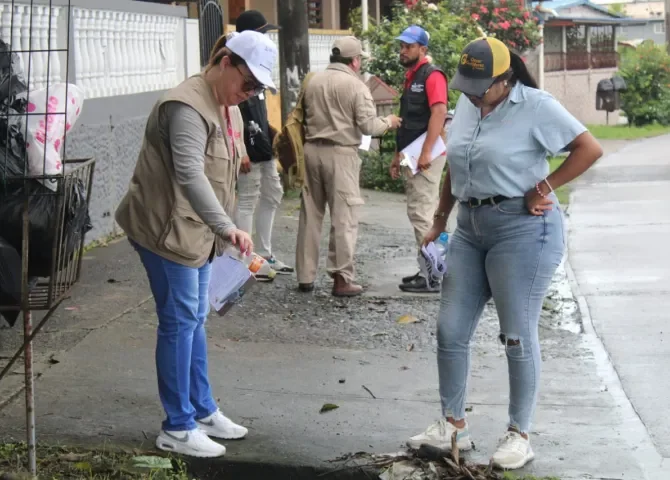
280	356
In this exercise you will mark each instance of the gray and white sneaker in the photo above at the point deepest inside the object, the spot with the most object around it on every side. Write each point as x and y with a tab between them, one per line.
194	443
439	435
217	425
279	266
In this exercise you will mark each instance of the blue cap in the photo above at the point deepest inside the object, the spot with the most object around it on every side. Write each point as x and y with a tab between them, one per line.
414	34
444	237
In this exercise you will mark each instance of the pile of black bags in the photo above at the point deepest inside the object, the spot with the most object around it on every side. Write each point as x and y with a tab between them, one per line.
44	221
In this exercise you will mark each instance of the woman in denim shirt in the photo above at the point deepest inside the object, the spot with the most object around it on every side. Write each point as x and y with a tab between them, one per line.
509	238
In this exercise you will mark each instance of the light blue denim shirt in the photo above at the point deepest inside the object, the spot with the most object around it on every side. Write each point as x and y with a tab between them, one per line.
506	152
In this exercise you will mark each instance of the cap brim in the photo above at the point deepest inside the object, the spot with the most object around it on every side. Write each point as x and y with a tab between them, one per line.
406	39
268	27
476	87
263	77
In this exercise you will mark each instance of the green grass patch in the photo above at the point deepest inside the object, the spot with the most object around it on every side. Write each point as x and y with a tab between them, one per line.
60	463
625	132
563	193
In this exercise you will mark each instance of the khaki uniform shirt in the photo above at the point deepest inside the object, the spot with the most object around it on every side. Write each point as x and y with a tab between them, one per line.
339	108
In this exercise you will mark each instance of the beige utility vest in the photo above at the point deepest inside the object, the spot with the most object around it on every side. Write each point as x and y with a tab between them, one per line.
155	212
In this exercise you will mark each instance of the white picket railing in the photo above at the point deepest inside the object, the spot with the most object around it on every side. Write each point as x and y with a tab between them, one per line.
114	52
320	46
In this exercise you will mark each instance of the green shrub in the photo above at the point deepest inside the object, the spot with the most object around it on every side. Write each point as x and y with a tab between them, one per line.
646	71
375	168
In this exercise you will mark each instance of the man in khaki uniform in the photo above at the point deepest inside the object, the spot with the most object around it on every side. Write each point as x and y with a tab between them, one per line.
338	110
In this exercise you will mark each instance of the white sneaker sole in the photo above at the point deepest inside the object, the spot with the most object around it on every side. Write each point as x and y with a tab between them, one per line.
462	445
214	434
169	445
515	466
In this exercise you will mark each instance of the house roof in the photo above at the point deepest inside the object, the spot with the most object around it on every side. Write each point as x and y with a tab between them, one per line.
585	12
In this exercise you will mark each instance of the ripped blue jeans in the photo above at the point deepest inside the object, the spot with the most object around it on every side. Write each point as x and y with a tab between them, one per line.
498	251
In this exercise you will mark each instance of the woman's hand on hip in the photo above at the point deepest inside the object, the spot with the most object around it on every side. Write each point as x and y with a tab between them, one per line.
536	203
242	240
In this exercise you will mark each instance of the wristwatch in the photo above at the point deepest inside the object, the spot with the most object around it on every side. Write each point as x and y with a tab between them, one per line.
437	215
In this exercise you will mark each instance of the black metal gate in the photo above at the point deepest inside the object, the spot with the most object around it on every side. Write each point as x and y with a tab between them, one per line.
211	27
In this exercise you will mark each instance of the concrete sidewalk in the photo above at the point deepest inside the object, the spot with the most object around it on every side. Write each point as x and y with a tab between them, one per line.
279	356
618	248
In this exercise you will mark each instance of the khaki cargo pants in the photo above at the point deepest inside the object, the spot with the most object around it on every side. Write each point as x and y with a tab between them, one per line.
331	178
423	197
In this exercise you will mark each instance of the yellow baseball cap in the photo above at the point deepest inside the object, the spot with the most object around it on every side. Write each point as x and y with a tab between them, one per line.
482	61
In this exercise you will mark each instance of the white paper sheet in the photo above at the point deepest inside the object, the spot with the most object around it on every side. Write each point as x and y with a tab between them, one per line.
366	141
412	152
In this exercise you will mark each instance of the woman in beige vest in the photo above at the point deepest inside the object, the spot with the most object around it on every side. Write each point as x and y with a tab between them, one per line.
175	215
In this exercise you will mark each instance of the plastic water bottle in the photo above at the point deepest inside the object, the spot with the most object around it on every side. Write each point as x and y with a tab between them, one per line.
258	265
442	244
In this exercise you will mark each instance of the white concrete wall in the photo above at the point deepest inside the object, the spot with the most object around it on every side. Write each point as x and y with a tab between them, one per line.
576	90
115	48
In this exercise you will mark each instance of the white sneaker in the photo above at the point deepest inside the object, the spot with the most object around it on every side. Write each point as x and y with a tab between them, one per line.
217	425
439	435
192	442
513	452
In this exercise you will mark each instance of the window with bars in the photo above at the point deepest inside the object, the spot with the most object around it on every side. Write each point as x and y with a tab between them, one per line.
315	13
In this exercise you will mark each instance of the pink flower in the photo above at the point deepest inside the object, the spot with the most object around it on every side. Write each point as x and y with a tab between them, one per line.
475	16
57	145
505	25
484	9
31	107
40	136
67	127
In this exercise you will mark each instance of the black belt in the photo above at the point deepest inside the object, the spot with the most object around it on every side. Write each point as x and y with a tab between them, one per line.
478	202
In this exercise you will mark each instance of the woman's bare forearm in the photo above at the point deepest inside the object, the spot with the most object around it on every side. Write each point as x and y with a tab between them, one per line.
447	199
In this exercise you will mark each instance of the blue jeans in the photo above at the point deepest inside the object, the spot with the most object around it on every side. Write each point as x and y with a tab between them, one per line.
498	251
182	305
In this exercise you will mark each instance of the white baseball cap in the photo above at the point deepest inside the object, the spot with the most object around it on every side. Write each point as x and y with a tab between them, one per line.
258	52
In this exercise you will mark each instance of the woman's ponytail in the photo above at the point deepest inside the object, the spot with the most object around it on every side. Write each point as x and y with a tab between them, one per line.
520	72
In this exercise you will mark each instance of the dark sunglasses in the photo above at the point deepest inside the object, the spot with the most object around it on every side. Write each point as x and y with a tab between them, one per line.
251	84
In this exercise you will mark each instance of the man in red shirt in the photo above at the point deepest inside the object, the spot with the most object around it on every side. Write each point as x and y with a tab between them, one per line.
423	109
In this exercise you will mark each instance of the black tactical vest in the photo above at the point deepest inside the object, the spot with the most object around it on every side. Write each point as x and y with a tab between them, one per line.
414	108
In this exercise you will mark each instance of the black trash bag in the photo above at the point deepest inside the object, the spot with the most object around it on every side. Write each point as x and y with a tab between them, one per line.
12	147
12	78
42	213
10	281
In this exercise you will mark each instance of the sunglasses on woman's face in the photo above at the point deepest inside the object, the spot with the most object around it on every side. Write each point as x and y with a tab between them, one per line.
250	84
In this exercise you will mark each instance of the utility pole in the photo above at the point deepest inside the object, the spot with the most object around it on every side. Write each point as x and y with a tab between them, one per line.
667	25
293	51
